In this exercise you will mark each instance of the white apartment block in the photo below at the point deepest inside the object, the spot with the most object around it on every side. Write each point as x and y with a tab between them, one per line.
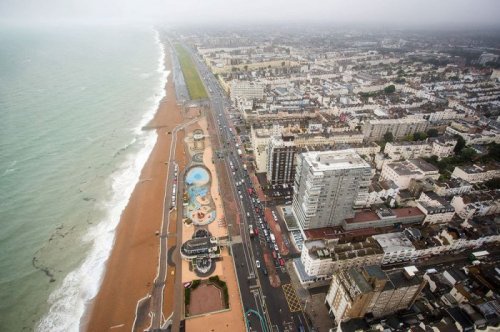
326	186
396	246
408	150
246	90
452	187
436	209
441	148
482	138
401	173
324	257
321	258
476	173
375	129
447	114
380	192
333	138
477	204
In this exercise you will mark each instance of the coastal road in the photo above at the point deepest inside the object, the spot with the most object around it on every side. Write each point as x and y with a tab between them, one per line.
270	303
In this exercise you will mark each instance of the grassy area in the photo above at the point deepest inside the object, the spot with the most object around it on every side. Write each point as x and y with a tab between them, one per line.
193	81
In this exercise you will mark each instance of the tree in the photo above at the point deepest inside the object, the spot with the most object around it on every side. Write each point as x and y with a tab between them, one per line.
467	155
493	183
494	152
390	89
388	137
409	137
460	144
432	160
419	136
432	132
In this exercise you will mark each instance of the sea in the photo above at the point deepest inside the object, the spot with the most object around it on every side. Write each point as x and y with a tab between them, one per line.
73	100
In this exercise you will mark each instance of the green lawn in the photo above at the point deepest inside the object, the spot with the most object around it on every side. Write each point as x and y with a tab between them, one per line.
193	81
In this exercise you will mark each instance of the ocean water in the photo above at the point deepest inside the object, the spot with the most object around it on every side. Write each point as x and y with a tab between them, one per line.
73	101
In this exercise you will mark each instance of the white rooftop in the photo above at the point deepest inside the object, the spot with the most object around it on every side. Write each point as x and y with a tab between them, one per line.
391	242
334	160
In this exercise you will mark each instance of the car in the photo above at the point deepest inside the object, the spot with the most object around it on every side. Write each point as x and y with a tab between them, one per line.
264	270
248	214
282	262
257	263
276	247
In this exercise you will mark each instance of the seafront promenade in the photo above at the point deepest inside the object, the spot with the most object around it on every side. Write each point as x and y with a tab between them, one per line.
133	264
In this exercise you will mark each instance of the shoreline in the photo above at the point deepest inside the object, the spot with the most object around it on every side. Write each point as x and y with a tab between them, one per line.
132	264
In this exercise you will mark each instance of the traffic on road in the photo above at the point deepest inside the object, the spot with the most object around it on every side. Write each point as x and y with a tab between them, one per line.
263	303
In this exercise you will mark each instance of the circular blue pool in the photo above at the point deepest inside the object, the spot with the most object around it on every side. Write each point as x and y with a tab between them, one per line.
198	176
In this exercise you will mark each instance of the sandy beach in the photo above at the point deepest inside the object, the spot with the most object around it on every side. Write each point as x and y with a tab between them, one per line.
132	266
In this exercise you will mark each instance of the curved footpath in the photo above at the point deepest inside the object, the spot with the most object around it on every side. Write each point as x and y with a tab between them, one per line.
132	266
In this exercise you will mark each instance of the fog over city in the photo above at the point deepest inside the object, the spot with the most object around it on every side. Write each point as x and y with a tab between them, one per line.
413	13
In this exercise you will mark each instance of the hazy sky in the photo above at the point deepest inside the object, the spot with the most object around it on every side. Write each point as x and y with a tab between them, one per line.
389	12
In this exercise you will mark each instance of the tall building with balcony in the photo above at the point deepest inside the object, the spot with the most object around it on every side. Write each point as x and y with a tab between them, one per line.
327	185
280	160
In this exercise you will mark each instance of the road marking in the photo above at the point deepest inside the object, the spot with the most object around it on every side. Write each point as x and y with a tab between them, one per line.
291	298
117	326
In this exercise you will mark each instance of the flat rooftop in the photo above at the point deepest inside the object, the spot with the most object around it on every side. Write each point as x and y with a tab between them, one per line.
368	215
412	166
393	242
334	160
